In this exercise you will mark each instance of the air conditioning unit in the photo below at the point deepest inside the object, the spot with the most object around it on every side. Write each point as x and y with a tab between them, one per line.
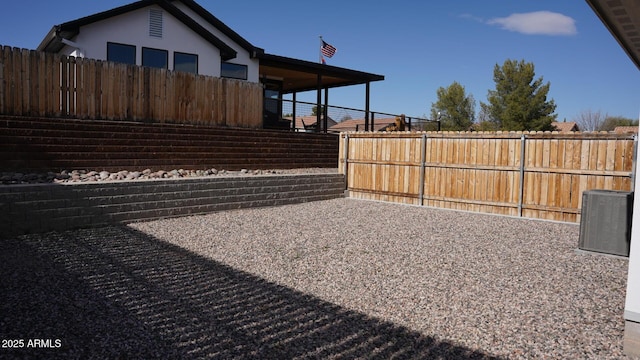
605	224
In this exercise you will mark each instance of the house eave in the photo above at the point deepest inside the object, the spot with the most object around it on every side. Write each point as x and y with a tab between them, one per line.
218	24
622	19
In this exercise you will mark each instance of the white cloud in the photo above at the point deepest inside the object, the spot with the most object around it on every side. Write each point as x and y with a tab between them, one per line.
537	23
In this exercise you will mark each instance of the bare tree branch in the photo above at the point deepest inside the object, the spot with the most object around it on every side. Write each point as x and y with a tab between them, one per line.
589	120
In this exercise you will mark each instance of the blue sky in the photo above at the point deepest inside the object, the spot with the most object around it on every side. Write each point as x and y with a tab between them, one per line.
418	46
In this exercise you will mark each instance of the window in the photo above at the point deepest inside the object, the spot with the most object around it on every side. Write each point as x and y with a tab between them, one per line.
185	62
155	58
234	71
121	53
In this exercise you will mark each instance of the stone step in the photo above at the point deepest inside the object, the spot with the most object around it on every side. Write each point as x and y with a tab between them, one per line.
246	184
104	129
46	207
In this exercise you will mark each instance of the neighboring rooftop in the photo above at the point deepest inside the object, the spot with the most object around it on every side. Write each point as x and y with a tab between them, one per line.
358	124
626	130
565	126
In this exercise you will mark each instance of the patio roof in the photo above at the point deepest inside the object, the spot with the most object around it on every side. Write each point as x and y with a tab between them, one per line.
300	75
622	18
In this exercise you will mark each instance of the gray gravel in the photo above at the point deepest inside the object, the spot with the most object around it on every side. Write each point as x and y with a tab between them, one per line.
342	278
90	176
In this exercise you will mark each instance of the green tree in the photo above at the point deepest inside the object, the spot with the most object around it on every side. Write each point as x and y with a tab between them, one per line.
611	122
519	102
454	108
314	110
486	126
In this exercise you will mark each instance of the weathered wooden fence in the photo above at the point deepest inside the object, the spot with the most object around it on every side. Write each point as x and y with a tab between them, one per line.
41	84
536	175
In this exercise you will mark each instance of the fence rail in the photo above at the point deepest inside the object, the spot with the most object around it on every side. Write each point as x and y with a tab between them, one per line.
42	84
340	114
536	175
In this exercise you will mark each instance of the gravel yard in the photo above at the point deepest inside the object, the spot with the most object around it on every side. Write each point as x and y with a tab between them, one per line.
342	278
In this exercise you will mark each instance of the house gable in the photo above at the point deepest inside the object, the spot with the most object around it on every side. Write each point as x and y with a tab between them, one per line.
128	25
224	30
246	53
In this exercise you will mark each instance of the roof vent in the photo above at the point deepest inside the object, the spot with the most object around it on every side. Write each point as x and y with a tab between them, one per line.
155	23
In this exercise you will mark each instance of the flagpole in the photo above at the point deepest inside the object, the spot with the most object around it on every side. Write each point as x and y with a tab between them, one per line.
320	51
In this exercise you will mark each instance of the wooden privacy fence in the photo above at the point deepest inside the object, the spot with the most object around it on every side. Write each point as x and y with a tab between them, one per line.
42	84
536	175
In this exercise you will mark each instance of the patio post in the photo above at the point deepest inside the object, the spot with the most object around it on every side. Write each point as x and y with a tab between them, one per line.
293	112
318	101
366	106
325	110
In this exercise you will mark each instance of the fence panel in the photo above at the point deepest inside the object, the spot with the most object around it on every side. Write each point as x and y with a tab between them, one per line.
472	173
42	84
385	170
537	175
13	72
554	191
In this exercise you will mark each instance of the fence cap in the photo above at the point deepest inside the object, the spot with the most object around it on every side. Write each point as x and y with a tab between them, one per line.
595	135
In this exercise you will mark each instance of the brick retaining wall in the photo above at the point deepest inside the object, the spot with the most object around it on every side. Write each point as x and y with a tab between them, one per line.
46	207
43	144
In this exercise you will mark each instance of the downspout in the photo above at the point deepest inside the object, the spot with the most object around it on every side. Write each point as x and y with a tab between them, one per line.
74	45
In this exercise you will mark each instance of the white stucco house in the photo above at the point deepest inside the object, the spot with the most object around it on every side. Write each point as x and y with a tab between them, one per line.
622	18
180	35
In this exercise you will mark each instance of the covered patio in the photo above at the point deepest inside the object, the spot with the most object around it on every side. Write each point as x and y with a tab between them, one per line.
283	75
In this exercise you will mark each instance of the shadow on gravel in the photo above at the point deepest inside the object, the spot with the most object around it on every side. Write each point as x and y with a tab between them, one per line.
115	292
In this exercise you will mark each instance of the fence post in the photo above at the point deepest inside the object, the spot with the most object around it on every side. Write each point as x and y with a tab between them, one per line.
373	115
2	88
523	140
635	163
423	158
345	153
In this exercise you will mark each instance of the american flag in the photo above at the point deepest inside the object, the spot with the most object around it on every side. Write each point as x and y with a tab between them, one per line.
327	50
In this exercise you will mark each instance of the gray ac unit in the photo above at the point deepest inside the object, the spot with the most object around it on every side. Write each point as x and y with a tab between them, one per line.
605	225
